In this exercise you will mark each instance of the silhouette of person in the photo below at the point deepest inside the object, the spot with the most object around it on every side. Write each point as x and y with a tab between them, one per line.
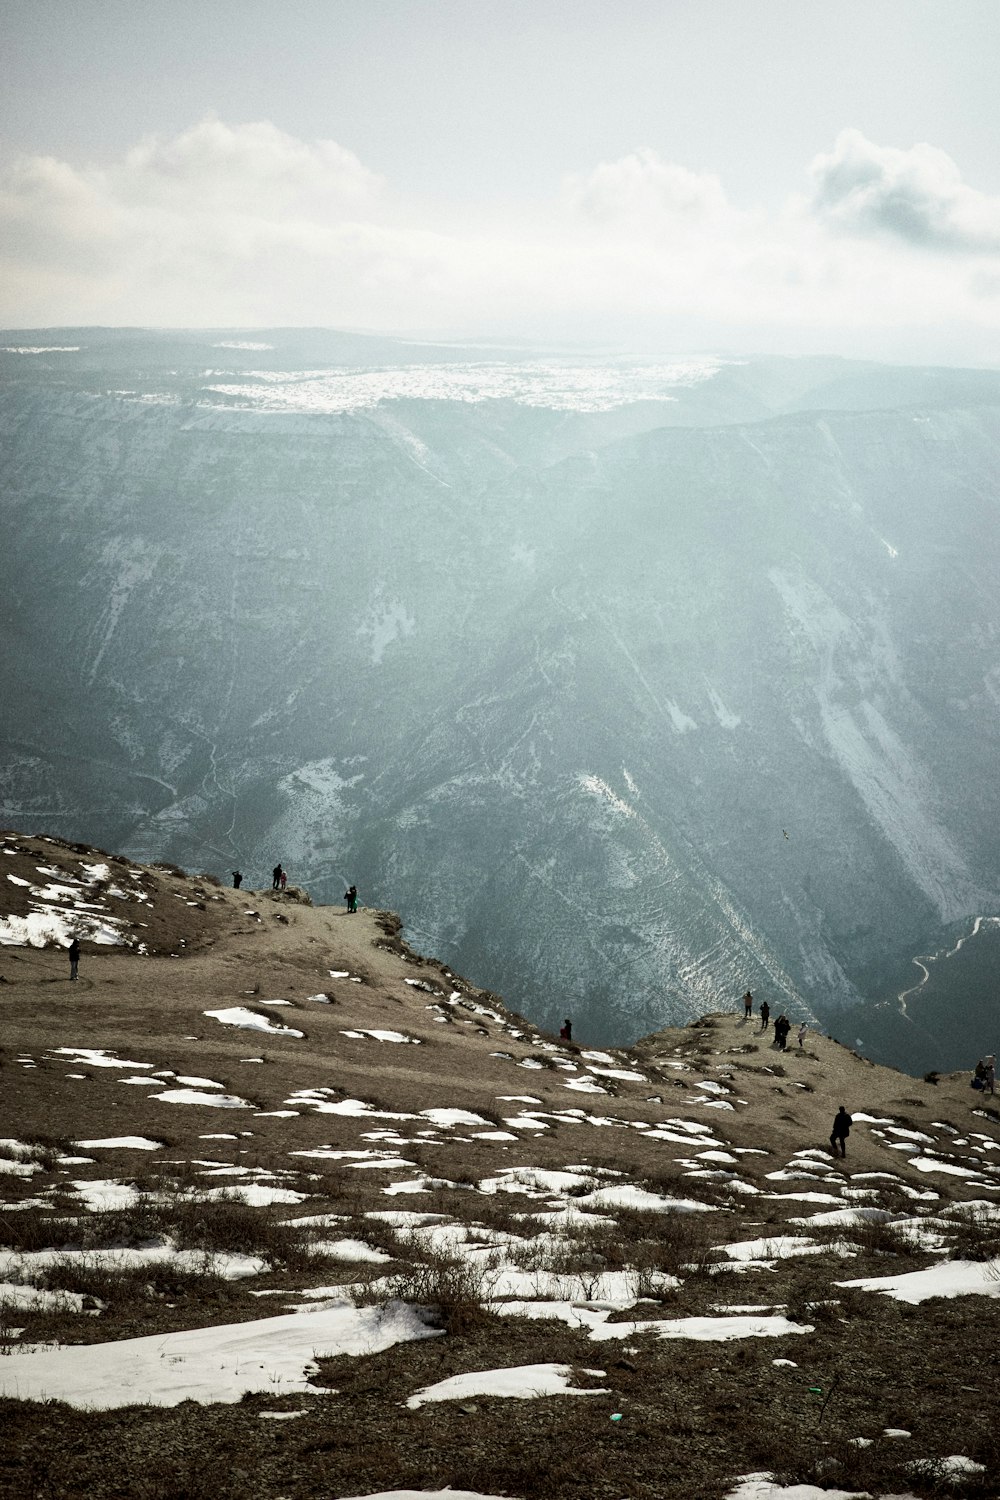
351	897
566	1030
237	880
276	877
74	958
841	1130
747	1006
765	1015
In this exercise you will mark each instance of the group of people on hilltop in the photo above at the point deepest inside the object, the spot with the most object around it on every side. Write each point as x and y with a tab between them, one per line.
782	1025
842	1121
985	1076
279	881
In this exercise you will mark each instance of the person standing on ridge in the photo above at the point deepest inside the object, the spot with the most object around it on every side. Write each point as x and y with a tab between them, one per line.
351	897
841	1130
283	879
747	1006
276	877
802	1032
566	1030
765	1015
782	1027
237	880
74	957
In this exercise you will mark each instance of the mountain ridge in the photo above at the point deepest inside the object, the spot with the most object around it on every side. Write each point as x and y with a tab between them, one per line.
328	1219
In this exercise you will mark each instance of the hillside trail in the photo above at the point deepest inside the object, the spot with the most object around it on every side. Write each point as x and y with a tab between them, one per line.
286	953
402	1033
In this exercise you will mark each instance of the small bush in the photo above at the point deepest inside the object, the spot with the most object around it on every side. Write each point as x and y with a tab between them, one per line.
650	1240
874	1237
975	1236
120	1290
457	1289
233	1225
36	1229
47	1149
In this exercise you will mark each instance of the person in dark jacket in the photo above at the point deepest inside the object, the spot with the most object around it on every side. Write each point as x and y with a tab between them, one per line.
765	1015
74	958
841	1130
237	879
351	897
782	1026
566	1030
276	874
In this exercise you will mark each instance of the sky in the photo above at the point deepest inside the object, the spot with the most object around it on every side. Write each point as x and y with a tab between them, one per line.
780	176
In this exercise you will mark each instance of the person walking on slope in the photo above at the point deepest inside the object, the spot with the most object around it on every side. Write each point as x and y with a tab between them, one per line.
747	1006
765	1015
566	1030
841	1130
74	957
276	877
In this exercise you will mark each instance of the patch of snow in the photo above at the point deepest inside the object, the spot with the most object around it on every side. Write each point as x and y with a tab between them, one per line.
952	1278
777	1247
446	1117
763	1487
238	1015
349	1250
195	1096
594	1317
220	1363
445	1494
122	1143
519	1381
232	1266
626	1195
97	1058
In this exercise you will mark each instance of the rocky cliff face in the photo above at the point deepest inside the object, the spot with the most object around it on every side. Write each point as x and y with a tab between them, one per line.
624	716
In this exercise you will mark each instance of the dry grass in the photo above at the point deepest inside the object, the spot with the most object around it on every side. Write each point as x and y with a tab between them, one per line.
188	1220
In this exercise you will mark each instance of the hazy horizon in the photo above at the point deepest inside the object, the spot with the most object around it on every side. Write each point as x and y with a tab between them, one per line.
770	178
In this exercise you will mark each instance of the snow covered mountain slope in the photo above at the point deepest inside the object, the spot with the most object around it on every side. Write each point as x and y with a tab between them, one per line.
627	706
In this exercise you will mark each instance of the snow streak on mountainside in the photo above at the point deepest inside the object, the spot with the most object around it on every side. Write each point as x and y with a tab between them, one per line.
625	708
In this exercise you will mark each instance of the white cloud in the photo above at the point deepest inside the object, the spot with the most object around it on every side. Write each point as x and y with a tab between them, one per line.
646	193
254	169
917	195
245	225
